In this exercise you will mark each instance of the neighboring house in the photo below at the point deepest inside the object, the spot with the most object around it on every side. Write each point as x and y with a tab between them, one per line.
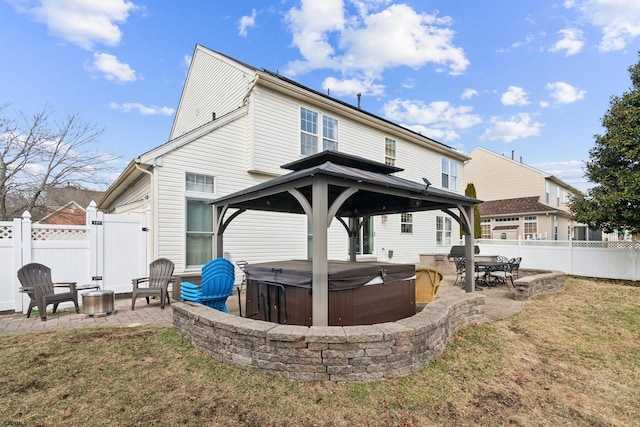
520	202
65	205
70	214
234	127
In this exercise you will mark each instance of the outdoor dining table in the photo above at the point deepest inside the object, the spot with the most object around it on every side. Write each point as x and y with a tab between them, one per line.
487	267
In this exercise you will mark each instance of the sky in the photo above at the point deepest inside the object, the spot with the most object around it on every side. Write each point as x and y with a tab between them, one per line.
531	79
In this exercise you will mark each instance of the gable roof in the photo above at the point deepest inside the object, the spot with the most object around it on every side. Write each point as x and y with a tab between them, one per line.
545	175
69	214
518	206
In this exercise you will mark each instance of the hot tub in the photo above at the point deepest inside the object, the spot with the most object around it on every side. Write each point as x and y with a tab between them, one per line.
360	293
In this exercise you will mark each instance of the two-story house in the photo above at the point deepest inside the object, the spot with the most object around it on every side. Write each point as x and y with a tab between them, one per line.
234	127
520	202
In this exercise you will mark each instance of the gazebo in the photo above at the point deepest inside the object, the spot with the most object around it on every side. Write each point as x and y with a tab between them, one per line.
332	185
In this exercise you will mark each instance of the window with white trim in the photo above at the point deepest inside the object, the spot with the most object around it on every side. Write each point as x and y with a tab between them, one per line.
329	133
530	227
200	183
390	151
485	225
311	132
406	223
547	190
308	132
199	190
507	219
199	232
449	173
443	230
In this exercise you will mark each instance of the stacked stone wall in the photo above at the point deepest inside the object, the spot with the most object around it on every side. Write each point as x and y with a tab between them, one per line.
539	284
337	354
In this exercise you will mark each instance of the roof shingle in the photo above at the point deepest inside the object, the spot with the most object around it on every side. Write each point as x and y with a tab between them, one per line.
521	205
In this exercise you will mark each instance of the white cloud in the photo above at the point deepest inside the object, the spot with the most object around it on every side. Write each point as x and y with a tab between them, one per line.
352	86
570	171
618	20
564	93
112	68
145	110
395	36
437	120
409	83
514	96
528	40
82	22
571	41
515	127
311	26
469	93
520	43
246	22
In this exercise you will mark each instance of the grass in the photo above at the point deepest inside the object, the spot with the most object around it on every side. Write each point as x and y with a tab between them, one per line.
571	358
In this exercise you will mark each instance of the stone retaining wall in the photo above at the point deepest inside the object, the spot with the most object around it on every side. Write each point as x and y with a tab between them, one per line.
338	354
538	283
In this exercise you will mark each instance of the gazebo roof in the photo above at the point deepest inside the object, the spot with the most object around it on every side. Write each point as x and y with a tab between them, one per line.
378	192
331	185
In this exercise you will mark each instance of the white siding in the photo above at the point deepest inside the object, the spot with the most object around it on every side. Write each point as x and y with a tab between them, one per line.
276	131
250	149
215	84
277	141
135	198
252	236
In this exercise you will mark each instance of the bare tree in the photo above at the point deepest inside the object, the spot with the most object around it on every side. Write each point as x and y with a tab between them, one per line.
41	152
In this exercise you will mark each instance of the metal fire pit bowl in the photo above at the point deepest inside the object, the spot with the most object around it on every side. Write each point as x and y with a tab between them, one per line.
98	302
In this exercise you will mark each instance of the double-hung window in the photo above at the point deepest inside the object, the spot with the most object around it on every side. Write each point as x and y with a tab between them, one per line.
311	132
443	230
390	151
308	131
547	192
406	223
449	173
329	133
199	190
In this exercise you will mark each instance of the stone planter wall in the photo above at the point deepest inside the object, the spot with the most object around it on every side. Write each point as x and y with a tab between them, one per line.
334	353
539	283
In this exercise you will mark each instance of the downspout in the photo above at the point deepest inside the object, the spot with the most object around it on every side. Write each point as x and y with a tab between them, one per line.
153	201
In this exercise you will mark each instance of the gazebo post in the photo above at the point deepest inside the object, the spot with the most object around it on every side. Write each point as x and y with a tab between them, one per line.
218	231
320	266
353	232
469	250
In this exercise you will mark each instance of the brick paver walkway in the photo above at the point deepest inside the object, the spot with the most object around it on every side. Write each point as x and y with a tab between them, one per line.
500	304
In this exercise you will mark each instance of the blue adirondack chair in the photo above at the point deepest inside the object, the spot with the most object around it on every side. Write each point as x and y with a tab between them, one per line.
190	292
218	278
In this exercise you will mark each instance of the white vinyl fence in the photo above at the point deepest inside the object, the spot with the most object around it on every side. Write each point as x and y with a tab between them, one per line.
108	251
609	260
